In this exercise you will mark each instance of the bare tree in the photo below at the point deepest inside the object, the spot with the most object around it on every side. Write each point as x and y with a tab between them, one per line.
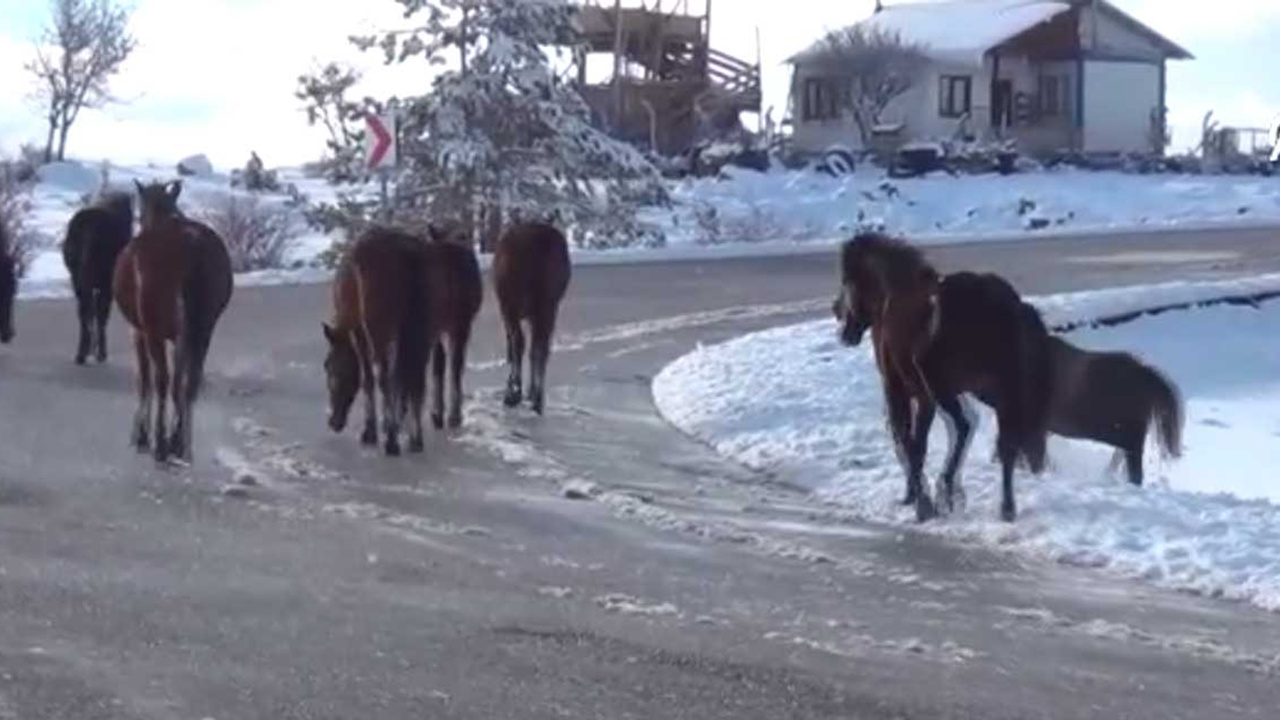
84	46
870	67
18	240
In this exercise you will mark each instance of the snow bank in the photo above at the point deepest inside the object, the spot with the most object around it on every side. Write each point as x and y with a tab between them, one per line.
69	177
793	402
809	207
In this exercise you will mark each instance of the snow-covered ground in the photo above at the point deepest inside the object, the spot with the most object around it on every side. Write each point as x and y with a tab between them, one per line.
795	403
748	213
805	206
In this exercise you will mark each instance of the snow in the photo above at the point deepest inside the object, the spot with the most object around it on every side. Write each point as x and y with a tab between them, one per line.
767	214
794	403
959	31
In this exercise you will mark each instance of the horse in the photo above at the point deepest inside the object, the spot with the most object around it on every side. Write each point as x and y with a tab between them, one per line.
8	286
1113	398
962	333
95	236
377	336
531	274
172	283
454	291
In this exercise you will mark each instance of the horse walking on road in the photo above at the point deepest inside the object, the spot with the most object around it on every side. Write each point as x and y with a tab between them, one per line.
936	339
1113	398
172	283
531	273
454	292
95	237
377	336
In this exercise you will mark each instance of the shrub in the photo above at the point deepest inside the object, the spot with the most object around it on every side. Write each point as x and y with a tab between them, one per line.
259	236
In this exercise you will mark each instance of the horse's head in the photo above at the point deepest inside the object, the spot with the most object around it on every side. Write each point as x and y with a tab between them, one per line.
342	369
8	291
158	201
853	312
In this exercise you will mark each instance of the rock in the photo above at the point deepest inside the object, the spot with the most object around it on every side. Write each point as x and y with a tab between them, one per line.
244	478
580	490
195	166
239	492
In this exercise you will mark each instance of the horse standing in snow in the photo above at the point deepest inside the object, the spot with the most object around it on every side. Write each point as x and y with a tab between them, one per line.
1113	398
172	283
936	339
531	274
376	339
95	237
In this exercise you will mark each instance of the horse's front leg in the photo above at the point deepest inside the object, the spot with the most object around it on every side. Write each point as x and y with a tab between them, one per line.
369	386
961	434
898	408
142	417
917	449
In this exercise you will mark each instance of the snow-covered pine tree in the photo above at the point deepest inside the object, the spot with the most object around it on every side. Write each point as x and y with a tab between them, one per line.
500	134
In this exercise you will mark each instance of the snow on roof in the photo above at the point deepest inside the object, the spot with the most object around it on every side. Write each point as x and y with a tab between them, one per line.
958	31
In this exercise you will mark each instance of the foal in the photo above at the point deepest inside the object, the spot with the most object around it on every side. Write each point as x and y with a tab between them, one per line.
531	274
95	237
376	334
172	284
966	334
1113	398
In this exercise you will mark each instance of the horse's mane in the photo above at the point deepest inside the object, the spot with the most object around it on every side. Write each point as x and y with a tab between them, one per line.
898	265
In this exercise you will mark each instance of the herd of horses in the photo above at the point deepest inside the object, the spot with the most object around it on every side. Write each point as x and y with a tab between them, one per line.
938	337
404	306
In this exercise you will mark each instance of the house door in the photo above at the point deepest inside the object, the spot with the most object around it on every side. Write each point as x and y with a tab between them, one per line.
1002	104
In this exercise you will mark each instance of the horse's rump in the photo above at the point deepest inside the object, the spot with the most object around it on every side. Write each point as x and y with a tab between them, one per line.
531	270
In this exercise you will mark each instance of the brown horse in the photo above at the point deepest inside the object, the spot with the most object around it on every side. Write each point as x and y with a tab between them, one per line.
973	334
454	290
172	283
374	339
8	286
531	273
1113	398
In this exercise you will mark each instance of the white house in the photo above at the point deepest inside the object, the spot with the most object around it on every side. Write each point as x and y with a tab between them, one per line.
1051	74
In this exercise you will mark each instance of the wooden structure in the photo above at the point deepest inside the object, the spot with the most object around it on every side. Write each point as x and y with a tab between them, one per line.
668	88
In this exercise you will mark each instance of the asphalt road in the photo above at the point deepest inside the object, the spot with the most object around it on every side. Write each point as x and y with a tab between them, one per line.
463	584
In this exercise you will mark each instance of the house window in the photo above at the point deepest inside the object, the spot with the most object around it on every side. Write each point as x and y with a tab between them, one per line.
955	95
821	99
1055	95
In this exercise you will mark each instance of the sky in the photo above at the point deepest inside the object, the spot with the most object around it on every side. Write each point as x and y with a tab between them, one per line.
217	76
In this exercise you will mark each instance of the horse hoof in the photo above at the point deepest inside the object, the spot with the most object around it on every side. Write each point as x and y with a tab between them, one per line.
417	446
369	438
909	500
1008	513
538	406
161	453
80	359
512	399
437	421
392	449
455	421
925	510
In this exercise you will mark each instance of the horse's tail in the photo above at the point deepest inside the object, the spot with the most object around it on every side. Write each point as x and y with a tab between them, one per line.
197	333
1033	350
1166	413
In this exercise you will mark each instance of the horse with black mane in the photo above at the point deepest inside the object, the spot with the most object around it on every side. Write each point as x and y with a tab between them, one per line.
95	236
172	283
1113	398
937	338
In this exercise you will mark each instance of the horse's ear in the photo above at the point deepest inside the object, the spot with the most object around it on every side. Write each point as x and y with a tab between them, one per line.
174	189
329	333
434	232
138	184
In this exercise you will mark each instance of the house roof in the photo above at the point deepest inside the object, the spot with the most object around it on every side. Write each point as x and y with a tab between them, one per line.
964	31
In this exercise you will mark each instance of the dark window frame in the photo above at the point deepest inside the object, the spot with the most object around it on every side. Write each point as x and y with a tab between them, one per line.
953	104
821	99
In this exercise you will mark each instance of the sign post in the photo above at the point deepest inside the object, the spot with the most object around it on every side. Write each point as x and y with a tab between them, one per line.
382	152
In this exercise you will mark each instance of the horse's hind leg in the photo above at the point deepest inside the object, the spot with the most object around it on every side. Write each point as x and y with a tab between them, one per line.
540	354
457	368
437	360
918	448
1007	449
160	376
142	417
84	310
102	311
178	446
515	362
1133	463
961	434
386	365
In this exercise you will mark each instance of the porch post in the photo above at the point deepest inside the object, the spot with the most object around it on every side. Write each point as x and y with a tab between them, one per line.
1080	102
1164	107
997	122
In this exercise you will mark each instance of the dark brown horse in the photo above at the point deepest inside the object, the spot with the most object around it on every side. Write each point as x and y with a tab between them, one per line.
454	292
531	273
1113	398
376	334
172	283
95	237
975	335
8	286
